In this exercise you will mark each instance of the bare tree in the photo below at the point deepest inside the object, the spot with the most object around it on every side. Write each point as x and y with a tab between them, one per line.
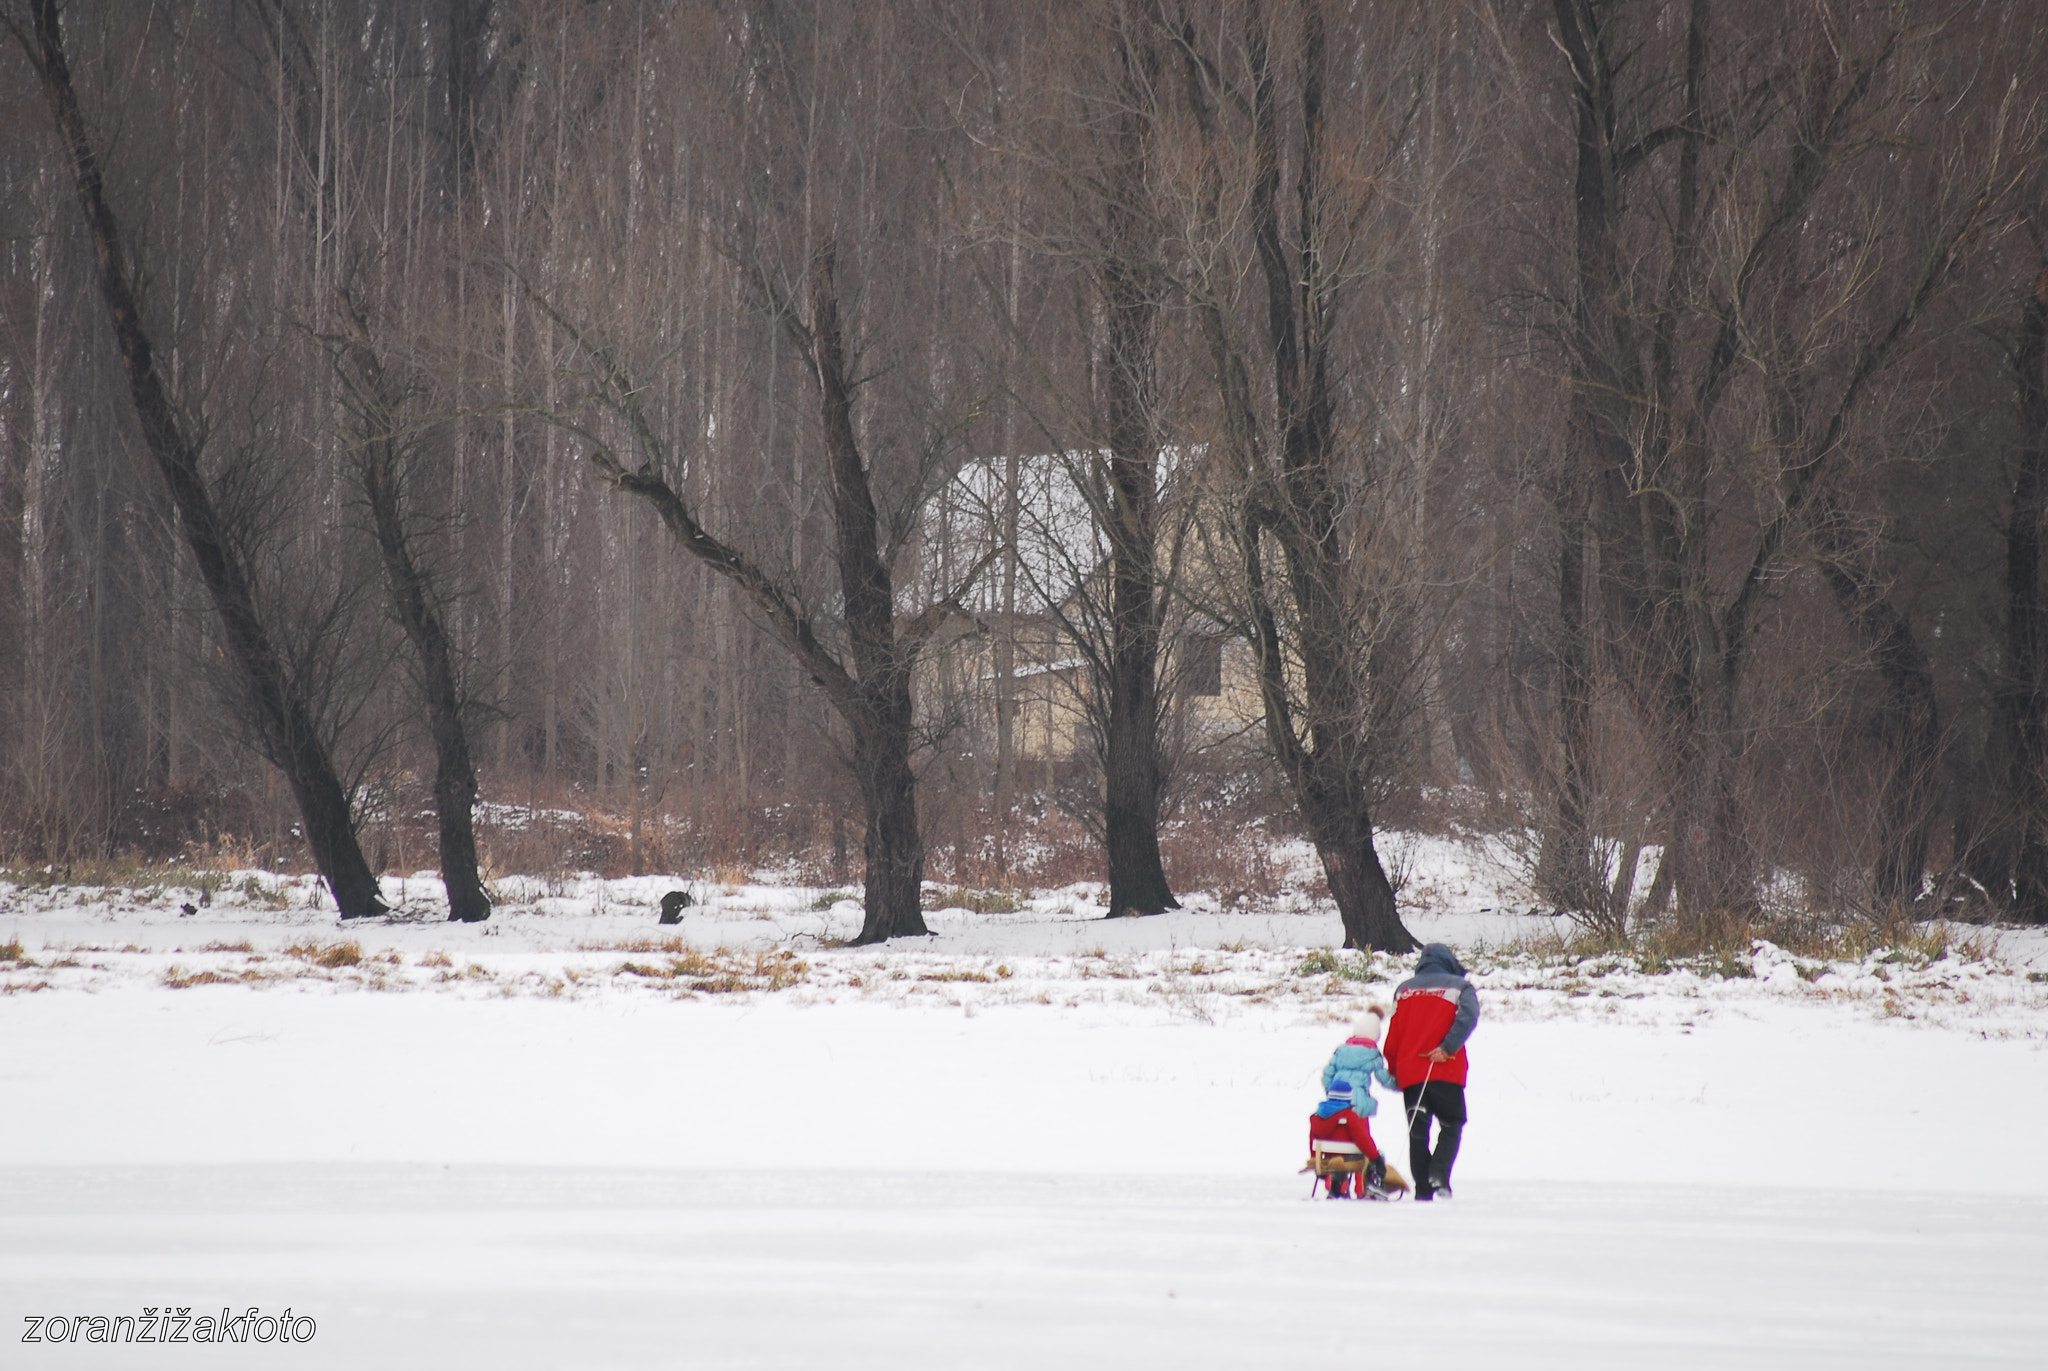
385	443
1711	319
830	265
290	735
2017	869
1280	198
1130	287
333	94
1089	214
1722	542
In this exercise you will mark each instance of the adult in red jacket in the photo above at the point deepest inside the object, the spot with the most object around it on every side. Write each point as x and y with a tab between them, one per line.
1435	1010
1339	1130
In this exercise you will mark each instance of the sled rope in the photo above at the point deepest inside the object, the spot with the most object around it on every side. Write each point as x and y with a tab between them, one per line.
1420	1090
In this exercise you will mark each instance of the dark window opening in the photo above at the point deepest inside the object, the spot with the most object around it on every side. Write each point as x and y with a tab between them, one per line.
1204	672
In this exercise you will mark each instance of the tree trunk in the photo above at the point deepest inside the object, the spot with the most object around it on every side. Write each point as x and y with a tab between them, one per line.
1131	771
1909	719
1358	881
330	827
1006	640
1565	869
2023	694
1331	789
1129	286
1327	770
1708	866
893	894
881	659
454	773
1137	878
288	733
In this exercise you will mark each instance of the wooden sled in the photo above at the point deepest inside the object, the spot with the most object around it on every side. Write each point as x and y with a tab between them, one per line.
1327	1160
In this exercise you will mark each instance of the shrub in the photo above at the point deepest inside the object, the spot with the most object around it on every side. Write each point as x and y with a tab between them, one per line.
1329	962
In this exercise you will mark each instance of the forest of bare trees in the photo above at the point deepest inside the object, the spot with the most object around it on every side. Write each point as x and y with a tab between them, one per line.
944	440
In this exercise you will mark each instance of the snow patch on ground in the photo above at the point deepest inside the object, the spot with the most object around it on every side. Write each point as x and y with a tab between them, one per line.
571	1137
588	937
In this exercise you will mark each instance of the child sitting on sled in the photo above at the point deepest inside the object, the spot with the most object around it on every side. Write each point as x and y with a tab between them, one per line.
1337	1136
1357	1063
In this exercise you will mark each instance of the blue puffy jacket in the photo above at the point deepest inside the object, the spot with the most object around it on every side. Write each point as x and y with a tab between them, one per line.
1358	1061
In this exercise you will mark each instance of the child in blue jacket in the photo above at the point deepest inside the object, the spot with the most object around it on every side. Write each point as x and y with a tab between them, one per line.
1358	1061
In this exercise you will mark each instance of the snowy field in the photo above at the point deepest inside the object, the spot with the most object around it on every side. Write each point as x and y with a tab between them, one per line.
571	1138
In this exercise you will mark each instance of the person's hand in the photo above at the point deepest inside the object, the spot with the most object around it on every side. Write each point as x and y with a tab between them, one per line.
1437	1055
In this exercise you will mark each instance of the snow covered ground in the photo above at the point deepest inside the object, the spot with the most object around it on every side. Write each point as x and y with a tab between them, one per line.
570	1138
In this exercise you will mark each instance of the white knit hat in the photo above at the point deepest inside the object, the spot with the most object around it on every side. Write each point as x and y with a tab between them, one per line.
1368	1026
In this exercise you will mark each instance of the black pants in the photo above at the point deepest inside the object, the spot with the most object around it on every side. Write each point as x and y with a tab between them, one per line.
1443	1101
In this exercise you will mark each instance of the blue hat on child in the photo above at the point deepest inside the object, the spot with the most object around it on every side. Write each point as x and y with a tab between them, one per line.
1340	1089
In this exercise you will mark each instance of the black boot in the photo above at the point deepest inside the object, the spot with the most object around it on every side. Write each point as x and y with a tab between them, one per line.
1448	1136
1375	1179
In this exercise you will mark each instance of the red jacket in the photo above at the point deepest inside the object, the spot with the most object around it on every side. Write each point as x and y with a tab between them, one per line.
1423	1015
1343	1126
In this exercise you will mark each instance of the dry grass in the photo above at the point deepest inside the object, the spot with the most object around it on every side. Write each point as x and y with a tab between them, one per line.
720	972
258	893
1724	948
124	874
672	943
178	978
974	901
331	955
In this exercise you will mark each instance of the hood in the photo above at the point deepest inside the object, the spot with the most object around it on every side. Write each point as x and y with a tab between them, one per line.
1439	957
